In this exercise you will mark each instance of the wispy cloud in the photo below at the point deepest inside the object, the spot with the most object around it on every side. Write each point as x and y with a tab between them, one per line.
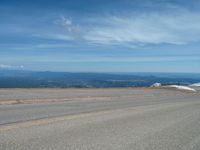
74	30
148	29
66	22
178	27
54	36
168	23
129	59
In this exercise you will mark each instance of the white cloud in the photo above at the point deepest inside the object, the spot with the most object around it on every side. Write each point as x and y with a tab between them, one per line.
4	66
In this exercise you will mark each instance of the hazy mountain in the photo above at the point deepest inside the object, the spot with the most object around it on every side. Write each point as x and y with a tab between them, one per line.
46	79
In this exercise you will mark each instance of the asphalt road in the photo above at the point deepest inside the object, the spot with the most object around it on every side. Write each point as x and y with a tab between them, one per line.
149	119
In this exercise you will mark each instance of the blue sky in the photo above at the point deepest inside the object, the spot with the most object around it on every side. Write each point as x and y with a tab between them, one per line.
100	35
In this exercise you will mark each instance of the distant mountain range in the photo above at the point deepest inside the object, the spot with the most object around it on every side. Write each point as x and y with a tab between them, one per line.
46	79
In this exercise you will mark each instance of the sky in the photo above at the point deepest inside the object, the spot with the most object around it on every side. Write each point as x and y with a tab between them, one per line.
100	35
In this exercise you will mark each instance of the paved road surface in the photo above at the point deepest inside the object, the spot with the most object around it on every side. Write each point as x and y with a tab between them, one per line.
148	119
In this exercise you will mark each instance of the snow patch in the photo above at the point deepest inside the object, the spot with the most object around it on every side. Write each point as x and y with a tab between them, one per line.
179	87
195	84
156	85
